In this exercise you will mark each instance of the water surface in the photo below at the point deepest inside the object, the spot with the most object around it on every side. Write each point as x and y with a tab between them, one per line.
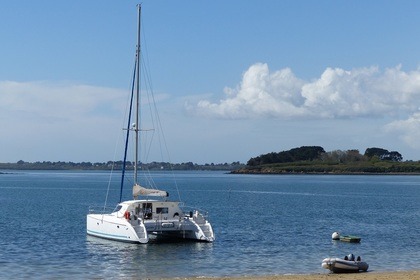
264	225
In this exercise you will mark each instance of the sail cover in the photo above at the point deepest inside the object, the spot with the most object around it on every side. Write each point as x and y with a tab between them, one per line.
139	190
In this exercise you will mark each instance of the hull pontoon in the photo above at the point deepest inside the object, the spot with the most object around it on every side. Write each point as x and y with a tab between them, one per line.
135	220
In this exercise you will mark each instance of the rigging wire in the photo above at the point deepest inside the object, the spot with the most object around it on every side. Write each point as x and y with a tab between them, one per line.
117	144
111	173
148	134
154	114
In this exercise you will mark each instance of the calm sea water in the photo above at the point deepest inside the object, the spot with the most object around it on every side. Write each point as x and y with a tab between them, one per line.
264	225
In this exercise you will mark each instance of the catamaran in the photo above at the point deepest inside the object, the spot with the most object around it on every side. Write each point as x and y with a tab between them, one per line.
153	215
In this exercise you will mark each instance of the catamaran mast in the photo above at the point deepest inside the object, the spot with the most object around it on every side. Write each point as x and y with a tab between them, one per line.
136	83
137	95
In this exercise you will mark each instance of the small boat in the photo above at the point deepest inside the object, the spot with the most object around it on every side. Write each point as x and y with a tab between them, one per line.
350	238
346	238
346	265
138	220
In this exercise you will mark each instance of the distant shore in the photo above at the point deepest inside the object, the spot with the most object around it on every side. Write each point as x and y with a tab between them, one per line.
400	275
117	166
324	168
242	172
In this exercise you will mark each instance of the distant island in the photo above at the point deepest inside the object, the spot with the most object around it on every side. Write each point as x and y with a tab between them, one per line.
315	160
302	160
117	165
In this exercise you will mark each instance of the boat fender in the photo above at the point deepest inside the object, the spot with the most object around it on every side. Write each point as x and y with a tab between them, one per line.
127	215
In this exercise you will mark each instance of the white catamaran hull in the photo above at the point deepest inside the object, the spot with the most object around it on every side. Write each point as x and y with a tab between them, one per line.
116	228
136	220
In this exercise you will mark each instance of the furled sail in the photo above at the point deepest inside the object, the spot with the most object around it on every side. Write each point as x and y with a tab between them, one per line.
139	190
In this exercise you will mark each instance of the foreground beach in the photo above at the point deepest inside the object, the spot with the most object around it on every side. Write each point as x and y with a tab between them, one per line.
400	275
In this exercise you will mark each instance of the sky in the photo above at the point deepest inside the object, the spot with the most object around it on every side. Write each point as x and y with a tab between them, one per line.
233	79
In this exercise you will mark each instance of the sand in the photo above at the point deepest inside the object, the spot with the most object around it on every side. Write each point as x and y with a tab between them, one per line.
400	275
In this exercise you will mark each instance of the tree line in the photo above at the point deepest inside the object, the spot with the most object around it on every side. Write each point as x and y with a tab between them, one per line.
117	165
315	160
312	153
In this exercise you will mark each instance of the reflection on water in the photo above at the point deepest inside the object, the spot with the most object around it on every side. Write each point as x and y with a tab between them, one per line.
118	259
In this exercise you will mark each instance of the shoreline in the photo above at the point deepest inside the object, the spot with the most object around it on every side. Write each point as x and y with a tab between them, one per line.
370	275
326	173
338	173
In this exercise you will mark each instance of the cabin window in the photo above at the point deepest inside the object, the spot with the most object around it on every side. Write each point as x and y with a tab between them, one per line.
147	210
162	210
118	208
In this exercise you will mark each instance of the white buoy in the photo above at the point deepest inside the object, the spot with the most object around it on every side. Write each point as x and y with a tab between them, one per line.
335	235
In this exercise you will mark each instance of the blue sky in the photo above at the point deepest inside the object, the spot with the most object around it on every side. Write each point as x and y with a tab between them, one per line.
234	79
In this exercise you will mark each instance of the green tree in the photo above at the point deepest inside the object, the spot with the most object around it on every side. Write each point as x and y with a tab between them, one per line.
370	152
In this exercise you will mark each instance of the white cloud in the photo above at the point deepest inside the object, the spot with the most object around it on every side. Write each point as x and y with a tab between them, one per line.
62	101
409	130
260	93
58	121
388	98
338	93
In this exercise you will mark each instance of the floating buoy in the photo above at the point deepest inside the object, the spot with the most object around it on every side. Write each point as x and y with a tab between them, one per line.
335	236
